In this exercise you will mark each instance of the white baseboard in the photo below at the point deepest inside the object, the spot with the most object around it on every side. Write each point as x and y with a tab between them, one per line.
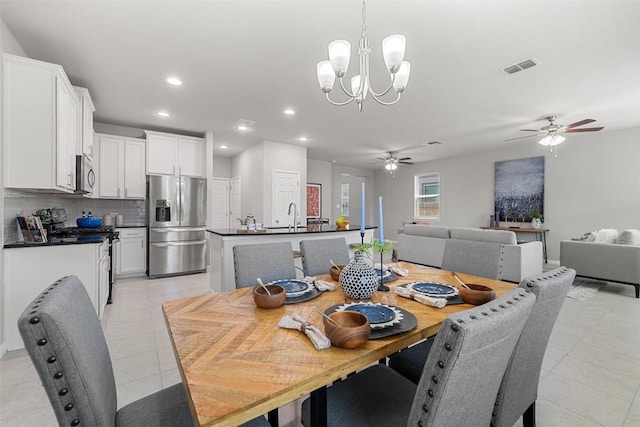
3	350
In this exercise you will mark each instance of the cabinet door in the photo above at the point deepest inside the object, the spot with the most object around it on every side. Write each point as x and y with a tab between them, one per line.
66	137
110	162
87	125
161	155
134	170
191	157
132	255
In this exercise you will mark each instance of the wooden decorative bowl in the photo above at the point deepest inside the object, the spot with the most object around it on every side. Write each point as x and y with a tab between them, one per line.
335	273
477	295
342	224
353	332
264	300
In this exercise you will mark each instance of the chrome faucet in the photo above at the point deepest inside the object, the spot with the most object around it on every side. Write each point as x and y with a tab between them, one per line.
295	216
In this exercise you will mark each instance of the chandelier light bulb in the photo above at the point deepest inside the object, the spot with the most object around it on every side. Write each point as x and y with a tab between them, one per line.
402	77
339	54
393	51
326	76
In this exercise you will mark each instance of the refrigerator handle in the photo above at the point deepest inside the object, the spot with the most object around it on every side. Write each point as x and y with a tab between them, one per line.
181	197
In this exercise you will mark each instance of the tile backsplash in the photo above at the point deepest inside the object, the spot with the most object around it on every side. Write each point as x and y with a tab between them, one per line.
23	203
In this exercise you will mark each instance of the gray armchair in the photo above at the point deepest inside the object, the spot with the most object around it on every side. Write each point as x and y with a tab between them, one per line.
460	380
317	253
268	261
482	259
65	342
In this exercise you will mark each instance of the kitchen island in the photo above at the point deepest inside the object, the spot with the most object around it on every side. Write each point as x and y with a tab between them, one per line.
222	241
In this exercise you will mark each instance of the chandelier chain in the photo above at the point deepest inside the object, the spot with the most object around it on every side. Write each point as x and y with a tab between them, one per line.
364	19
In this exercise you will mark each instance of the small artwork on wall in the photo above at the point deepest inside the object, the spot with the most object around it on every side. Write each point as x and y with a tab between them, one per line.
519	187
314	200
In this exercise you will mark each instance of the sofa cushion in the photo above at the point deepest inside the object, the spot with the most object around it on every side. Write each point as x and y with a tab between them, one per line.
629	237
427	230
495	236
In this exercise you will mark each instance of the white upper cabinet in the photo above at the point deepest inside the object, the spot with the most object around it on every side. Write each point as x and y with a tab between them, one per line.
85	118
121	167
40	126
169	154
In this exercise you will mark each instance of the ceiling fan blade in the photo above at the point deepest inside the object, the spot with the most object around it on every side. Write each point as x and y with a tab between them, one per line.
529	130
580	123
404	158
403	162
380	158
520	137
584	130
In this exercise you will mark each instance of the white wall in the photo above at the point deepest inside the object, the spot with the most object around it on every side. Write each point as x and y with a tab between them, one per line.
371	190
593	183
249	166
321	172
8	44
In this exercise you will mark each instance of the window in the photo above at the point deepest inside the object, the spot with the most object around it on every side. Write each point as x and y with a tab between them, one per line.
427	196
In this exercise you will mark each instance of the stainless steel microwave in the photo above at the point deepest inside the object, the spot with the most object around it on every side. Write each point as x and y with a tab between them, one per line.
85	176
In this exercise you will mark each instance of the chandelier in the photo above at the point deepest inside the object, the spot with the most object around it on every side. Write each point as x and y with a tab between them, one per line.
339	53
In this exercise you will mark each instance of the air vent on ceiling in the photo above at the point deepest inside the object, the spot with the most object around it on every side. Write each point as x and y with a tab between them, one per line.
432	143
522	65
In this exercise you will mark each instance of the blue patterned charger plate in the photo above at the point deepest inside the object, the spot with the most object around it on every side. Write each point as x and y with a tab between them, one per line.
434	289
293	287
389	276
375	313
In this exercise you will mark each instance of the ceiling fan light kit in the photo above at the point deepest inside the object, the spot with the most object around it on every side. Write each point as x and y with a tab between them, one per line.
393	48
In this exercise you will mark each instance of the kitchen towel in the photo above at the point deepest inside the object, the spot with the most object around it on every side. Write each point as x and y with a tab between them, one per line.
295	321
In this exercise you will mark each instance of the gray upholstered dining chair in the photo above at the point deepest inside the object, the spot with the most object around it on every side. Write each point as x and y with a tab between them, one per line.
317	253
268	261
482	259
459	382
65	342
519	389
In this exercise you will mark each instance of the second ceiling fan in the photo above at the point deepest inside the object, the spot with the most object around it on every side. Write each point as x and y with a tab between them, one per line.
392	161
552	132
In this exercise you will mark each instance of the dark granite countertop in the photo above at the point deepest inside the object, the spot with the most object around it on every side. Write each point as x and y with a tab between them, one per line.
270	231
57	241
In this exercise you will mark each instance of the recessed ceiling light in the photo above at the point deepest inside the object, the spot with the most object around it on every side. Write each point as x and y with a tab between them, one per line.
174	81
224	147
289	112
163	114
303	139
244	125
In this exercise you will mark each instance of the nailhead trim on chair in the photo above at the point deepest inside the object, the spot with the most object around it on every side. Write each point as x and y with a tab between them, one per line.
52	359
447	346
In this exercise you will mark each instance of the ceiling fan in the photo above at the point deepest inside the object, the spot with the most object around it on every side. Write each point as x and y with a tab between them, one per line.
392	162
552	132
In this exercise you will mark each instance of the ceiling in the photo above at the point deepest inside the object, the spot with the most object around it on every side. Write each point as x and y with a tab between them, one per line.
252	59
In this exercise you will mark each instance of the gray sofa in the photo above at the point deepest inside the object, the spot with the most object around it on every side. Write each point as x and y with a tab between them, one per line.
424	244
612	262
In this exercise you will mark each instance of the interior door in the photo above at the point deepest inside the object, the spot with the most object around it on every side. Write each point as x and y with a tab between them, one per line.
235	196
219	203
286	190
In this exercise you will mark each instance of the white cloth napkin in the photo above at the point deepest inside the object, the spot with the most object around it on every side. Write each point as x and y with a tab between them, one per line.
295	321
320	285
400	271
423	299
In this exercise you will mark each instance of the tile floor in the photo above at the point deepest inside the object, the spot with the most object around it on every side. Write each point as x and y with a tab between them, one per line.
590	377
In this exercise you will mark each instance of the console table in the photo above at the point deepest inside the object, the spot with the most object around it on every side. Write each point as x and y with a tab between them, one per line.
540	233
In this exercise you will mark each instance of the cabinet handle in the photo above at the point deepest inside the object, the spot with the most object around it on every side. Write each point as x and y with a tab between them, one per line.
125	192
70	181
118	192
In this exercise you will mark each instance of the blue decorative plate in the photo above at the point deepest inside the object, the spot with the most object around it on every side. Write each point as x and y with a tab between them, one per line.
293	287
386	272
375	313
434	289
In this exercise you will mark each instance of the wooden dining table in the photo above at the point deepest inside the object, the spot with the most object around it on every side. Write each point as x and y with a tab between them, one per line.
237	364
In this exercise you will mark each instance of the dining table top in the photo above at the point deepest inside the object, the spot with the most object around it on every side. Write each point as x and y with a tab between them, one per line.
237	364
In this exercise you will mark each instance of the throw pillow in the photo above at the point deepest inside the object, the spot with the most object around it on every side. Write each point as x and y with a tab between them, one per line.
629	237
606	235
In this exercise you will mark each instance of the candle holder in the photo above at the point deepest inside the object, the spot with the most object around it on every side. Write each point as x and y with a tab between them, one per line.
382	287
362	237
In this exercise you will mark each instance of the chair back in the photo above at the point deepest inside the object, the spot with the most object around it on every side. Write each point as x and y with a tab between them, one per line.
317	253
268	261
65	342
482	259
467	362
519	388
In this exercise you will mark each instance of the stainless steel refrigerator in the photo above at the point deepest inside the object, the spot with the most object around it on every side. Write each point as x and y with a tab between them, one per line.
177	209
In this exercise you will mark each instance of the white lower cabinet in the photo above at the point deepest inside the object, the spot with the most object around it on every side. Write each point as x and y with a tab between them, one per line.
131	252
28	271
